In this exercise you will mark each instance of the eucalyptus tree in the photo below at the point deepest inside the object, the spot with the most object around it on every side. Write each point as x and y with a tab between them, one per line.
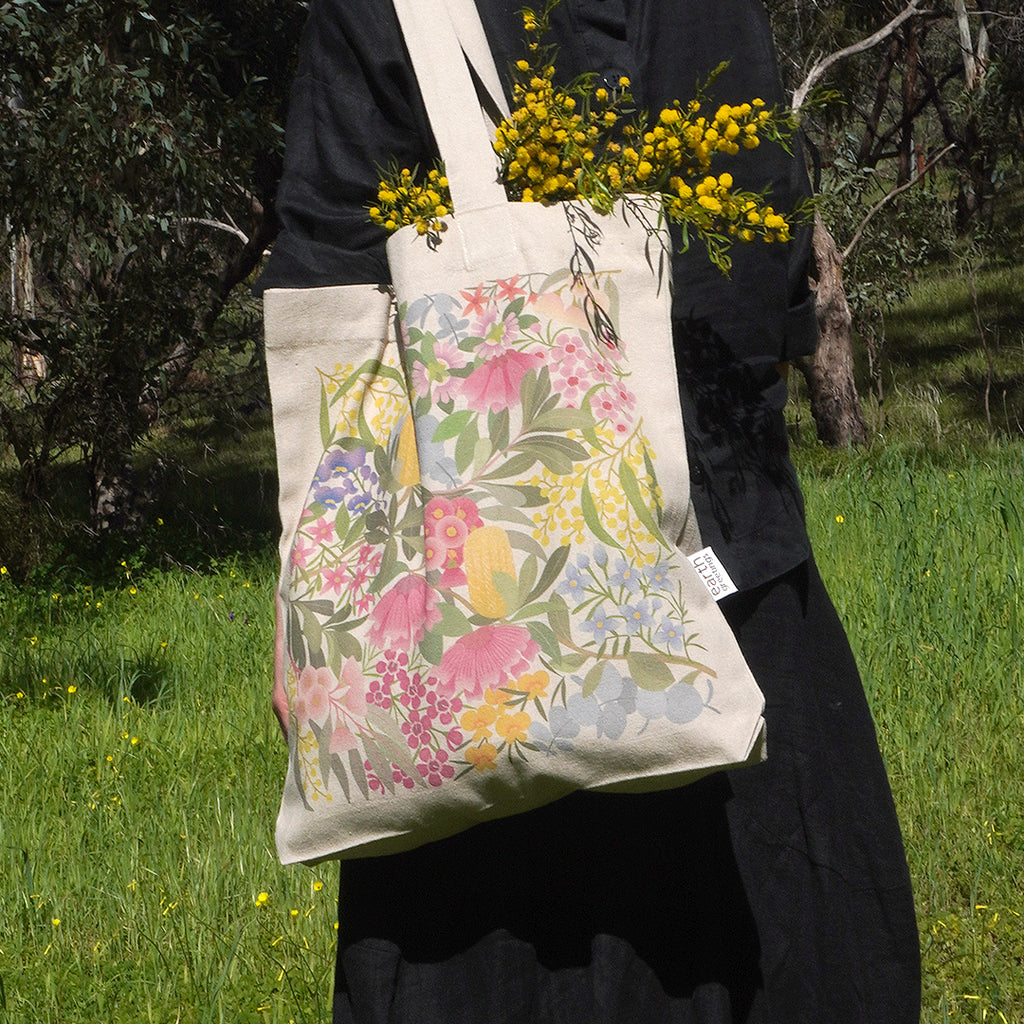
141	152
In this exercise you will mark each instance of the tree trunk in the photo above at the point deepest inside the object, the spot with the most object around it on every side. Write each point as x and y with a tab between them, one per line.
835	405
29	366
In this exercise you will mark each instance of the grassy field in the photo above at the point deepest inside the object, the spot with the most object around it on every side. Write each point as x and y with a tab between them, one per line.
140	767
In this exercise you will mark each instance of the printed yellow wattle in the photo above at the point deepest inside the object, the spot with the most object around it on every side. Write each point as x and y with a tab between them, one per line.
485	552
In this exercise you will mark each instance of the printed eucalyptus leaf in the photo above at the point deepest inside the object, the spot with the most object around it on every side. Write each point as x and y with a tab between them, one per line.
593	520
465	446
325	420
648	671
453	425
558	616
338	771
631	489
508	590
482	453
527	578
296	644
545	638
380	764
504	514
344	641
571	663
392	741
514	466
432	646
453	621
358	773
653	478
525	542
592	680
560	420
551	455
498	429
552	570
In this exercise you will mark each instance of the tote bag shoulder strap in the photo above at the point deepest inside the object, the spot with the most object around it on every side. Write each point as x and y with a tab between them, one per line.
438	53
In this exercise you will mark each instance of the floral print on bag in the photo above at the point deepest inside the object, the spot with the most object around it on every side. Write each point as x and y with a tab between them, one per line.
479	572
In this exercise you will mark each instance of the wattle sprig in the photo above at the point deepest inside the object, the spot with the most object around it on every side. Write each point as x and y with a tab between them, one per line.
589	143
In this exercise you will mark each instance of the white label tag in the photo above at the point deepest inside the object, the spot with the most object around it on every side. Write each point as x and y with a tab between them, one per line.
712	573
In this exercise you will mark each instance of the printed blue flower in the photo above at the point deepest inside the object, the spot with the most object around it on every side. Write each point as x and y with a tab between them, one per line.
598	625
670	634
659	576
627	576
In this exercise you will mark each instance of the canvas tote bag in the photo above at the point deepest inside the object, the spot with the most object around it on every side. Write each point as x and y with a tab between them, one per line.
483	480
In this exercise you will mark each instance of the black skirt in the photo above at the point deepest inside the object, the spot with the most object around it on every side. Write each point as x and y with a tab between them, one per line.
775	894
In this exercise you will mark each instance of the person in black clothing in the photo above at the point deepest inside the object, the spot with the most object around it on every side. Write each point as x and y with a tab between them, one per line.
774	894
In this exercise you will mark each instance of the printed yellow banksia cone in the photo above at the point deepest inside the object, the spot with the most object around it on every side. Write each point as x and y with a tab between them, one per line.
486	552
408	459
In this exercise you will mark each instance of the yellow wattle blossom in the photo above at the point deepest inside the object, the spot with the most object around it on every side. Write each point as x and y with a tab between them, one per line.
565	143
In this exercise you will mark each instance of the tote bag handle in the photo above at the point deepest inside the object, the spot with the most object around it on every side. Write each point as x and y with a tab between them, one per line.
441	35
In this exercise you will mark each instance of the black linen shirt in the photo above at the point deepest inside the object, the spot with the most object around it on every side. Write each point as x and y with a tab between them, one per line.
355	109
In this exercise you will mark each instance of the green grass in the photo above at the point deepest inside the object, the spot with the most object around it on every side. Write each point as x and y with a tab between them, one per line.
139	772
137	808
924	555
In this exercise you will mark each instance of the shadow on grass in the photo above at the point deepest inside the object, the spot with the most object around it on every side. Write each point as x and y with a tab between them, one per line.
211	494
142	677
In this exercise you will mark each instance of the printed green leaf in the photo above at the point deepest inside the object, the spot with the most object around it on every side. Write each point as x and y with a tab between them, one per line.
503	514
653	477
325	420
310	630
546	638
649	672
497	429
338	771
592	680
453	621
392	741
630	487
560	420
341	640
571	663
558	616
432	646
517	465
534	391
453	425
508	590
527	578
518	495
552	570
380	763
296	647
525	542
593	520
557	453
358	772
465	447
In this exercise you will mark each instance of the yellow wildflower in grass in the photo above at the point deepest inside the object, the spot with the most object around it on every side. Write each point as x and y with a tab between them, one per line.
263	899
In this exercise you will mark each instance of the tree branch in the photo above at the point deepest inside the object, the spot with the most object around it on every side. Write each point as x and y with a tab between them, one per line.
815	74
892	195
